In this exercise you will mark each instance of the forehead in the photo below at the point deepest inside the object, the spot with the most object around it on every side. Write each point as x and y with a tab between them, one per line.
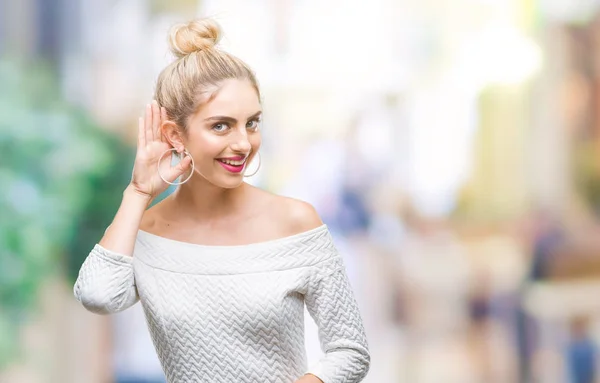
232	97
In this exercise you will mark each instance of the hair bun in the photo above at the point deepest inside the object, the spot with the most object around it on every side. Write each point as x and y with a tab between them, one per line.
194	36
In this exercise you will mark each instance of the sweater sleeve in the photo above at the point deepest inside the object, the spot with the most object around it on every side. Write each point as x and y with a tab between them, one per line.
331	303
106	282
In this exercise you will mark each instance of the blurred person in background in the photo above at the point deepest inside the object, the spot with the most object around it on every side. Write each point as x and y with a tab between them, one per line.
547	235
222	269
582	354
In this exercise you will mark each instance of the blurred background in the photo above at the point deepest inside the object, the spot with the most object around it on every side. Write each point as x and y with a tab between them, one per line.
452	147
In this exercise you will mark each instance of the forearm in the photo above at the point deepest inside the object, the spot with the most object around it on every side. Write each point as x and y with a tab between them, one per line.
120	236
106	281
331	303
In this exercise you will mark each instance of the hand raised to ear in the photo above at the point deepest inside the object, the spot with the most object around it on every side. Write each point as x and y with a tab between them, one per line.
151	145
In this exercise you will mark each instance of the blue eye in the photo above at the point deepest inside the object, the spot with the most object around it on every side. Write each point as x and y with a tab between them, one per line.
216	127
253	124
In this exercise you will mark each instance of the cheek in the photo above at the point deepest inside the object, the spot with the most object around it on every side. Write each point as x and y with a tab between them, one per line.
206	145
213	143
255	141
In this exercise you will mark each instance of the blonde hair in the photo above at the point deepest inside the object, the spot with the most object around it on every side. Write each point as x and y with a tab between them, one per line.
199	65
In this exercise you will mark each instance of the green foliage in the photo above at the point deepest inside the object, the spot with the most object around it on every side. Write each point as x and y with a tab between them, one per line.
62	179
587	173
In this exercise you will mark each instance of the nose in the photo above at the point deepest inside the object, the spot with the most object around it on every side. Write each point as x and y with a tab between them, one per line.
241	143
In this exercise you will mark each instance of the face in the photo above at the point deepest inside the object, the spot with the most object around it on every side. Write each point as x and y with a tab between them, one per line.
223	136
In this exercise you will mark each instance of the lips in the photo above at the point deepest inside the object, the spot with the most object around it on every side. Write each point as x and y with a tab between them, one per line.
235	161
233	164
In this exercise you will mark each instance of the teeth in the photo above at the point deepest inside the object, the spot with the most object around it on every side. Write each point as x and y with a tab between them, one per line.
234	163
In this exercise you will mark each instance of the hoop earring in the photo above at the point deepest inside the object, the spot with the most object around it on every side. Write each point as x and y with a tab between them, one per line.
174	183
256	171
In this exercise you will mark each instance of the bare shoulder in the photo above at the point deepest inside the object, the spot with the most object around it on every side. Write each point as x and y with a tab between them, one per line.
297	215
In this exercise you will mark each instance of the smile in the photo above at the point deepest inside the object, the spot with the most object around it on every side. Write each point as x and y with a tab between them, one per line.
232	166
232	162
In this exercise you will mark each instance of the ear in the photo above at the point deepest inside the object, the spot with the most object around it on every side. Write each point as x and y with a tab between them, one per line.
173	134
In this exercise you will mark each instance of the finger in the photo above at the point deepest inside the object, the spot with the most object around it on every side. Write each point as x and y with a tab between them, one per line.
180	168
163	113
155	120
141	133
148	124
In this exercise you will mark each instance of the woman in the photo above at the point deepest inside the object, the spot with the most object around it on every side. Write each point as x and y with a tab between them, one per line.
222	269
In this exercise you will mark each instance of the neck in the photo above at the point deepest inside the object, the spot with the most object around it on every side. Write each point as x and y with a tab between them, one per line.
203	202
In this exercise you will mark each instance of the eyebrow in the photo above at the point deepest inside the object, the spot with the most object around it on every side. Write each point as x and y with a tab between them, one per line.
231	119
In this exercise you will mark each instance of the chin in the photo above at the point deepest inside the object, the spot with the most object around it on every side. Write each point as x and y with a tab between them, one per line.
223	182
233	185
221	178
225	179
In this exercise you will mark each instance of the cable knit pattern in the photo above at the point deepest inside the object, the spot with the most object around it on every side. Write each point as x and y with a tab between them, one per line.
106	282
233	314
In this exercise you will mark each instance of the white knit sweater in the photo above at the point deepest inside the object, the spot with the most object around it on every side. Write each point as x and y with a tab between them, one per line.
233	314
